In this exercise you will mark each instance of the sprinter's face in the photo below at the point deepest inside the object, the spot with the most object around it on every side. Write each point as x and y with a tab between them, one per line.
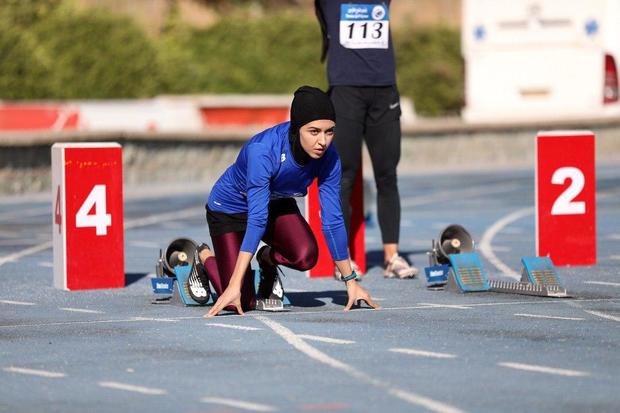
316	136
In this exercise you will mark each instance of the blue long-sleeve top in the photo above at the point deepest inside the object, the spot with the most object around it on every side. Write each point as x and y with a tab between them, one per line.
265	169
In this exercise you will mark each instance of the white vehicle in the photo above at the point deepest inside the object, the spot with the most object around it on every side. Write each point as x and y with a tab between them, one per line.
529	60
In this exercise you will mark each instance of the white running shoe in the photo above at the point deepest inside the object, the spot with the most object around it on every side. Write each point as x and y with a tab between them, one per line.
398	267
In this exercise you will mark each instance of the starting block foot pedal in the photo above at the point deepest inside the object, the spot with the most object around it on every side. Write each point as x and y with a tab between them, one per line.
539	271
273	303
467	273
165	291
538	277
183	273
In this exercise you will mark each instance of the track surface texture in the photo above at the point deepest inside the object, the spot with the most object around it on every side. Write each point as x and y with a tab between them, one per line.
425	351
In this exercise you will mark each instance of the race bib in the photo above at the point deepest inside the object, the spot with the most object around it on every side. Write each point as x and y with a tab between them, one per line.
364	26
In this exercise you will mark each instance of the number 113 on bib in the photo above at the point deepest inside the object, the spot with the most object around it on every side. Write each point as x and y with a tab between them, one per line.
566	197
364	26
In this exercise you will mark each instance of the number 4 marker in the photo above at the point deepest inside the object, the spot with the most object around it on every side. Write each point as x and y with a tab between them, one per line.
57	213
101	220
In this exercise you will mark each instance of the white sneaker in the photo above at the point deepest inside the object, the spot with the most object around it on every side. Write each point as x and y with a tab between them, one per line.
354	267
397	267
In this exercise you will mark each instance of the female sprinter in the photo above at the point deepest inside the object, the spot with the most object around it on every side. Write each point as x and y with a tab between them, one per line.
253	201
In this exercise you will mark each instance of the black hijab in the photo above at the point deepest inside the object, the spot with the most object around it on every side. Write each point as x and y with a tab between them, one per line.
309	104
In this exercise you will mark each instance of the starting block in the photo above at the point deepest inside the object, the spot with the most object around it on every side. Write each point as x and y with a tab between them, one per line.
271	304
467	273
165	291
539	271
539	278
164	287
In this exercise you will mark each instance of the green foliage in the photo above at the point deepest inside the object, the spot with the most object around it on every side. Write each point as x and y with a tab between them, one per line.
26	13
99	55
274	54
430	69
50	51
26	70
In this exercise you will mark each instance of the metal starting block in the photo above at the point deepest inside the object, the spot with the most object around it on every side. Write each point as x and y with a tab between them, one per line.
538	277
539	271
165	291
498	286
467	273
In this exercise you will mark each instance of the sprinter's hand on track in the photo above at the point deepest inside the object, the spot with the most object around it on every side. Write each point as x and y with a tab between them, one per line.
356	292
230	296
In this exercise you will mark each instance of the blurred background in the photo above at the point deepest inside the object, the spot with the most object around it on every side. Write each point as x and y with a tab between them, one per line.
102	49
187	81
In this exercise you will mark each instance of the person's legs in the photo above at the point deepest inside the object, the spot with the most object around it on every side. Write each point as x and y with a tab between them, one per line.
350	114
383	138
220	267
383	143
289	237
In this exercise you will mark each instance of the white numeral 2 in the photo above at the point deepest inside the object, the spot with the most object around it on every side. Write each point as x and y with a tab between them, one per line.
565	205
100	219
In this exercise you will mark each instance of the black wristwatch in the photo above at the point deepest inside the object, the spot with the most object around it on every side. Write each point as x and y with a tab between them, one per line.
350	277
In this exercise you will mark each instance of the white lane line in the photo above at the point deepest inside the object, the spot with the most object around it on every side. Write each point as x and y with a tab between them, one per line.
307	349
325	339
33	372
548	316
577	304
233	326
603	315
80	310
422	353
163	320
140	222
486	247
614	237
153	391
615	257
607	283
303	313
240	404
23	253
16	302
458	307
46	264
544	369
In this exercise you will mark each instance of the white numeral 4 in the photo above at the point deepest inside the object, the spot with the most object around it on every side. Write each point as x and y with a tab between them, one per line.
565	205
101	220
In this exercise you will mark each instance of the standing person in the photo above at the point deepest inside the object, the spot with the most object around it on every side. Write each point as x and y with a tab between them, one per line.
253	200
362	79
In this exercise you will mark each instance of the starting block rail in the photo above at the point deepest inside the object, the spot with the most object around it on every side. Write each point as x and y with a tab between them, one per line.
510	287
466	274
